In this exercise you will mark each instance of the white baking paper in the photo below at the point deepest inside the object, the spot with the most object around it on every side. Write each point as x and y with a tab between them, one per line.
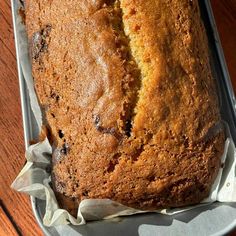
34	178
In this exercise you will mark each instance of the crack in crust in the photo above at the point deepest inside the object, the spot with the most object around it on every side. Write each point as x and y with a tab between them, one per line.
131	83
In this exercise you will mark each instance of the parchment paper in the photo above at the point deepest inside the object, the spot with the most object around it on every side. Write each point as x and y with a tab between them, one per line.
34	178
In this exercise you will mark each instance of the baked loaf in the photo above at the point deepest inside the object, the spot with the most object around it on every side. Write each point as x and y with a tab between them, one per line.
128	98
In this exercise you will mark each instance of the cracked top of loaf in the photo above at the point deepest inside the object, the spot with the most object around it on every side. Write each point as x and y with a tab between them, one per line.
128	98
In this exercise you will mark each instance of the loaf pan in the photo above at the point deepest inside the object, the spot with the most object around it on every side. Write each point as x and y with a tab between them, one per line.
214	219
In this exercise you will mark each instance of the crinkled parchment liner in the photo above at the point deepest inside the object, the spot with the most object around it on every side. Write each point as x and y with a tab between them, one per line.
34	178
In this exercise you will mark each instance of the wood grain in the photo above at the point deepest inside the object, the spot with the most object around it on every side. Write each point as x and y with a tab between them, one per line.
11	132
225	15
16	216
7	227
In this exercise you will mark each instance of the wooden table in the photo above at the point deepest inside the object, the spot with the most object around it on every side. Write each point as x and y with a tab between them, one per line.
16	216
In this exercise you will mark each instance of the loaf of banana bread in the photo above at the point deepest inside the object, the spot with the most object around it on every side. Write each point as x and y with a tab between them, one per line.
128	98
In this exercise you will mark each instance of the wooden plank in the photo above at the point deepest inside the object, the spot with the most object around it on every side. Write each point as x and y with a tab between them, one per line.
233	233
11	133
6	226
225	15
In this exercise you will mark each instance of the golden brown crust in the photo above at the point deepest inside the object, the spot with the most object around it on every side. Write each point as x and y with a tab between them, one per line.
127	90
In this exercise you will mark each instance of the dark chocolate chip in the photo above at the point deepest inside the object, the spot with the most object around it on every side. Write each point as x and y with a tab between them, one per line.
57	98
60	133
53	95
151	178
85	193
105	130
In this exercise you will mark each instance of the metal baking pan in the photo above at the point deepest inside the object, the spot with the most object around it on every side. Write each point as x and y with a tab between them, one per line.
214	219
